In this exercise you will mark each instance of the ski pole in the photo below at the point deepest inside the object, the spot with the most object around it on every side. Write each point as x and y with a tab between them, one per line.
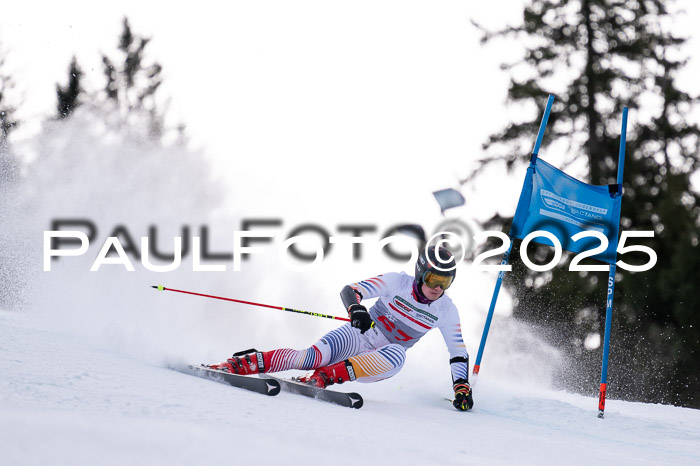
308	313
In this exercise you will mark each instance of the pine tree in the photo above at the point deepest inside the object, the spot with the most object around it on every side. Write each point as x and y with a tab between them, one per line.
10	273
610	54
9	170
132	84
68	96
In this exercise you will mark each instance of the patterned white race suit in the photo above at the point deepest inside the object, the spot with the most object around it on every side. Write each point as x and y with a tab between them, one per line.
400	320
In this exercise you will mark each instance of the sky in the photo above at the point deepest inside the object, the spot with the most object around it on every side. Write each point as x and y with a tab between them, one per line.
365	94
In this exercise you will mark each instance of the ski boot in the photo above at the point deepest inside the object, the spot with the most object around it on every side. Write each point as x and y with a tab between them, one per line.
324	376
245	362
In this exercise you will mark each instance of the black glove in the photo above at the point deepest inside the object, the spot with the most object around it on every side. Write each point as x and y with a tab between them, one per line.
359	317
463	395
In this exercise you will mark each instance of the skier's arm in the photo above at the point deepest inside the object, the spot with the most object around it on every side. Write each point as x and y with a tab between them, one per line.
451	330
359	317
381	285
459	361
351	295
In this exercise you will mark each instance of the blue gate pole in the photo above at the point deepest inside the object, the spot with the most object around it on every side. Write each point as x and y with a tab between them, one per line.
543	124
489	316
611	280
504	261
606	343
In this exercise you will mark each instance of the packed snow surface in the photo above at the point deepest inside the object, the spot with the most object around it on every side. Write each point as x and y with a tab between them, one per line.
67	399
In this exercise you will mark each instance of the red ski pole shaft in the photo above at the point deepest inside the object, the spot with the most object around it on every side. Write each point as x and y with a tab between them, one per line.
308	313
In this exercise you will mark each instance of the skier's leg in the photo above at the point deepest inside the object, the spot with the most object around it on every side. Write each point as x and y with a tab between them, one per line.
380	364
371	366
367	365
336	345
286	358
342	355
247	362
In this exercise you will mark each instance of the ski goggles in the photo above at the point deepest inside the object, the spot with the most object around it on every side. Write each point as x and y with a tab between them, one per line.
433	280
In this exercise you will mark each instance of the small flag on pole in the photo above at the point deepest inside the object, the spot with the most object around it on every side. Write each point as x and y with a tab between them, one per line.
448	198
555	202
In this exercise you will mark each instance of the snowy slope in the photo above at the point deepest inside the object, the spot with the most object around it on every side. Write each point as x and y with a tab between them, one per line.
70	400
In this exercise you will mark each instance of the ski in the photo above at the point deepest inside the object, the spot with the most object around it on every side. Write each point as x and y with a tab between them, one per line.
266	387
350	400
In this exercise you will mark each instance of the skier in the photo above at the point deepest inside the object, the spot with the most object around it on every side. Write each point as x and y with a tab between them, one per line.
372	346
